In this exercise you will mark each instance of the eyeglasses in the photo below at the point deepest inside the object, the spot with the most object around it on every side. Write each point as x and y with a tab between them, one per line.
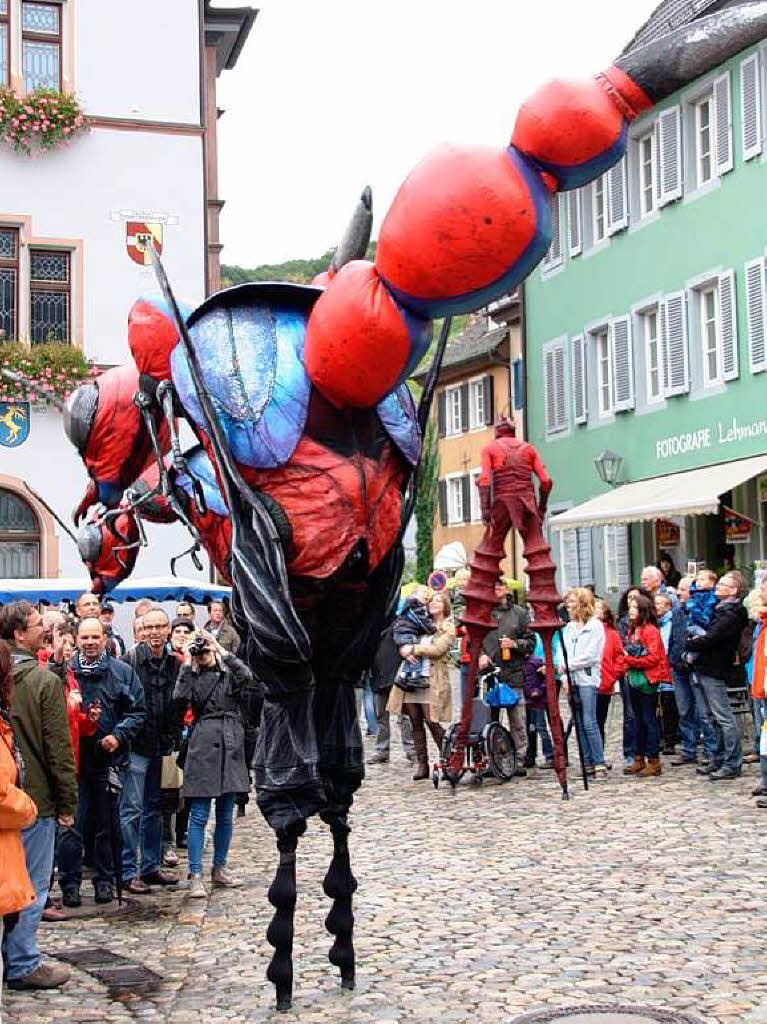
155	629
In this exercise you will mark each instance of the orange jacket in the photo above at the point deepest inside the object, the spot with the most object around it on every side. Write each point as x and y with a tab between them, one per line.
16	812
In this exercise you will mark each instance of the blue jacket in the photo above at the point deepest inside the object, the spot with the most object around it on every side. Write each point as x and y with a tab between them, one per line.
700	606
118	688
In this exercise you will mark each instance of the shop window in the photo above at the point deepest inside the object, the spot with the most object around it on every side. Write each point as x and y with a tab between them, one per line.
41	45
9	282
19	539
49	295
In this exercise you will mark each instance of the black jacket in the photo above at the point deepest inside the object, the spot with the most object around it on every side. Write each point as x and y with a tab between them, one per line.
161	729
123	711
717	647
513	622
385	664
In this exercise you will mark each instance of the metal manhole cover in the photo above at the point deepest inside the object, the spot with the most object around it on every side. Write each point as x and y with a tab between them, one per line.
110	969
606	1015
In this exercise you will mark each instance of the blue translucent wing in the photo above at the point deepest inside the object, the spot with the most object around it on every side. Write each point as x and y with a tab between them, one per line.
201	468
397	413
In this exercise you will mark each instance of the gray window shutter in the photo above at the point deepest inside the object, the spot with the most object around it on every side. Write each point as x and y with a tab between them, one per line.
677	358
574	222
559	392
442	497
442	413
554	257
569	552
728	325
487	386
550	389
466	498
622	353
617	560
723	123
670	155
585	559
464	407
578	364
617	198
751	106
755	315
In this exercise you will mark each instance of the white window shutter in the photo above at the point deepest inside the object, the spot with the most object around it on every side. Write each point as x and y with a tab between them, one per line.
569	552
554	255
728	325
617	198
617	561
751	106
578	364
559	388
757	357
549	389
677	357
585	557
574	222
662	342
621	351
723	123
670	155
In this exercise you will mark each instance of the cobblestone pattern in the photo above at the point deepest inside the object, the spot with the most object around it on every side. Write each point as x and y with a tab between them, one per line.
475	907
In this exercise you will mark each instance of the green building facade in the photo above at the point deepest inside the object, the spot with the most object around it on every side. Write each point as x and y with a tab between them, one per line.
645	335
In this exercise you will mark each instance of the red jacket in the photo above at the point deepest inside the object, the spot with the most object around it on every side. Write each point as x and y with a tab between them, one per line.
613	664
654	664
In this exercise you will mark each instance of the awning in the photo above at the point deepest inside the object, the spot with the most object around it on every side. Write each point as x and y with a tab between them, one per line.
692	493
160	588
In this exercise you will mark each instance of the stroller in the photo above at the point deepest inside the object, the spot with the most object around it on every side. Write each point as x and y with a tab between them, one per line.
490	748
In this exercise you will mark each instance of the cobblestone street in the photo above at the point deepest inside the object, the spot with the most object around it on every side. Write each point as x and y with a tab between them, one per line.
478	907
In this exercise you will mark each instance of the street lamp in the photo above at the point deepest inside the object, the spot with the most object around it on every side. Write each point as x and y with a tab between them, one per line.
609	466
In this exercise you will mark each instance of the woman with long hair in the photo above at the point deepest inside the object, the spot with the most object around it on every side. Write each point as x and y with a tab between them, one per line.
584	643
629	722
613	665
17	811
647	666
430	706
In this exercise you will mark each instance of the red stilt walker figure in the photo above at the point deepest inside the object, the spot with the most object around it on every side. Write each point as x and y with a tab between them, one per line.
509	502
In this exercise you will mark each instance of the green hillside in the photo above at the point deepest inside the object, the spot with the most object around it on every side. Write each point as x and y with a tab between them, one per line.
297	271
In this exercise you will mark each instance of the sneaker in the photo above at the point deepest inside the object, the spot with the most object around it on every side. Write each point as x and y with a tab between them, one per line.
379	759
137	887
104	892
45	976
54	914
71	898
704	769
223	879
684	759
722	774
170	857
159	878
197	890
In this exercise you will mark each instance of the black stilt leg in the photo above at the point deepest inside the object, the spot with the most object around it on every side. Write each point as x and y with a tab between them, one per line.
282	896
340	885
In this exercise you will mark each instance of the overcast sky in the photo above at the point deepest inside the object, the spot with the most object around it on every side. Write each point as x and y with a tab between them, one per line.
331	95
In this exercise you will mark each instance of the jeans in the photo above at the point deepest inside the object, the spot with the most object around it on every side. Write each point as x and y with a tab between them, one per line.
368	703
715	711
383	726
537	726
199	811
689	721
603	706
588	729
20	950
645	707
629	721
95	801
141	816
760	713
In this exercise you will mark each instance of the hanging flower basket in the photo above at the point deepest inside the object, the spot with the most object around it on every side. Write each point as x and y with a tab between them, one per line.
43	119
49	371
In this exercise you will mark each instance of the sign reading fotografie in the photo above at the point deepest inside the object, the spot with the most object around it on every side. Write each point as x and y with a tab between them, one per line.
729	432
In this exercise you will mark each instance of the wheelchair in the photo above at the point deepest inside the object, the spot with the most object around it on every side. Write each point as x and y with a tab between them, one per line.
490	750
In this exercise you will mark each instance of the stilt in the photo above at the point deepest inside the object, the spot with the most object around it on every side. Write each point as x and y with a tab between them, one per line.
340	885
282	896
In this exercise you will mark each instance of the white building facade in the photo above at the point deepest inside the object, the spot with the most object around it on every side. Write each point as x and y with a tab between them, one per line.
73	219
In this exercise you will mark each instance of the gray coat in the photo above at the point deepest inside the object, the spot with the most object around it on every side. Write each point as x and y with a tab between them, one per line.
215	762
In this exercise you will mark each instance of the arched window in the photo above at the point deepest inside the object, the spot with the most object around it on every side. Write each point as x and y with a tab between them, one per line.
19	539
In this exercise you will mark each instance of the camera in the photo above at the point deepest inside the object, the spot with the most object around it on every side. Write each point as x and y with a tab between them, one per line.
198	646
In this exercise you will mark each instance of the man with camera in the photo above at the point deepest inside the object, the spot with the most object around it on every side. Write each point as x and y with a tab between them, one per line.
218	686
112	688
157	667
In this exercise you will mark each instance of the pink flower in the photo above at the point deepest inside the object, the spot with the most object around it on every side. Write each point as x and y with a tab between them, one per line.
28	110
67	130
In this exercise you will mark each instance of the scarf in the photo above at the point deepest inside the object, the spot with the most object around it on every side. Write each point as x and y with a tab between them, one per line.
15	750
90	668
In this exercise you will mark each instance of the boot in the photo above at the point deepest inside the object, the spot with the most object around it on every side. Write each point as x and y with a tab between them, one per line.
421	757
636	767
437	734
651	769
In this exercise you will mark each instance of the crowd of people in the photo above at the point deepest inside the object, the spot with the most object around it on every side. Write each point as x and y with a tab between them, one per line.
111	757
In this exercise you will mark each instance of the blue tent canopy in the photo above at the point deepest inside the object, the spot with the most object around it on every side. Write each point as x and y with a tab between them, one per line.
160	588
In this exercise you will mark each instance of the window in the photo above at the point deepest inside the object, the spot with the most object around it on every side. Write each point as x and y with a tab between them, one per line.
653	355
453	411
476	510
554	258
41	45
19	539
648	174
477	417
454	501
703	151
604	372
49	288
709	335
5	64
9	282
574	222
599	211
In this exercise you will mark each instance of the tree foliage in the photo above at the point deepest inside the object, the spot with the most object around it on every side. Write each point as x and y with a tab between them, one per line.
296	271
426	504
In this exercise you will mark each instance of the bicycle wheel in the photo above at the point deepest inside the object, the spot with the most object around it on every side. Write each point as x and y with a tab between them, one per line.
448	745
501	752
